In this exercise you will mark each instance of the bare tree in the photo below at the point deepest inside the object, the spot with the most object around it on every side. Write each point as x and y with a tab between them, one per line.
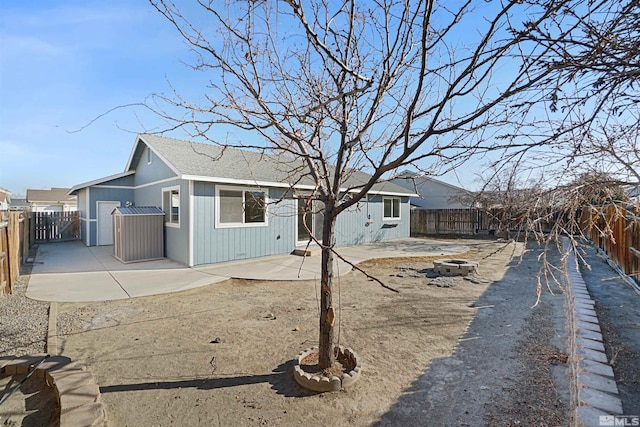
342	86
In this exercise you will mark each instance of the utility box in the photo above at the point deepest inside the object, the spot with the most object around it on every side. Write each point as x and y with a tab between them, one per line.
138	233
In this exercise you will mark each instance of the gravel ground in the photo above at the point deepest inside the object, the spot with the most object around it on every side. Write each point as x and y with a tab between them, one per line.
509	369
23	321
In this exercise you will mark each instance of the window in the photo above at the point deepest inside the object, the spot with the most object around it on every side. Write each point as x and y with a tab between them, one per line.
391	208
238	207
149	158
171	205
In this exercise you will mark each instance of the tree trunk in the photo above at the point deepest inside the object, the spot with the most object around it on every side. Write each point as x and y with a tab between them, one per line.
326	356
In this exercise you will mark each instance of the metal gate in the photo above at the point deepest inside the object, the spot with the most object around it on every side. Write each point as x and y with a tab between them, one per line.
55	226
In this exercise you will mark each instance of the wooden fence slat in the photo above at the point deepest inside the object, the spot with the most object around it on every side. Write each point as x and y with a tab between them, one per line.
14	247
455	221
5	285
10	251
55	226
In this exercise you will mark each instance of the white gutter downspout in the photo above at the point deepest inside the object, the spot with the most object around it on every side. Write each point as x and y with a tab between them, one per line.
191	220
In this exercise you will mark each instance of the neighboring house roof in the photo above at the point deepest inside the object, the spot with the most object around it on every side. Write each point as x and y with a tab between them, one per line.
207	162
434	194
19	203
409	176
54	195
73	190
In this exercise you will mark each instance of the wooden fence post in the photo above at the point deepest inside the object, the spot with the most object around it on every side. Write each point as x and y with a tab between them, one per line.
5	286
32	228
24	235
14	247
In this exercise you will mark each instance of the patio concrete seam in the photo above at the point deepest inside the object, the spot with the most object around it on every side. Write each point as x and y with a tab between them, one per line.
592	395
109	271
119	284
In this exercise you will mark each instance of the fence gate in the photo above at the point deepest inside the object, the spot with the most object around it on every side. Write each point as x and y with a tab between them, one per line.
55	226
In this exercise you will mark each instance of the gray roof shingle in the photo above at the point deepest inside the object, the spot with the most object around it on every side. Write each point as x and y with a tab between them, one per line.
55	195
207	160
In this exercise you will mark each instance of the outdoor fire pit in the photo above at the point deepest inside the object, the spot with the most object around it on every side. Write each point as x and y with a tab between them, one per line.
455	267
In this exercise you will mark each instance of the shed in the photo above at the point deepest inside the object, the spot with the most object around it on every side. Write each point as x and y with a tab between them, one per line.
138	233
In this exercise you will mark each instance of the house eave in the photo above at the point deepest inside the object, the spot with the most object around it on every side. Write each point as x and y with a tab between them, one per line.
255	183
75	188
140	140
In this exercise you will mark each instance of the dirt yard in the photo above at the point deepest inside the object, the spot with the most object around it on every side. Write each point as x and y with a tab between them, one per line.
158	363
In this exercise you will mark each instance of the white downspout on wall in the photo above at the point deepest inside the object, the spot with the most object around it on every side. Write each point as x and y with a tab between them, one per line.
191	220
88	217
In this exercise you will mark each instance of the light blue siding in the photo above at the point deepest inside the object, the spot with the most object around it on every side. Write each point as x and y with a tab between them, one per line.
353	226
100	194
84	215
123	181
364	223
156	171
382	229
213	245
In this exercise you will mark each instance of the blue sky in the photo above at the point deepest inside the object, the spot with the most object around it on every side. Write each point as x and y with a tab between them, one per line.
65	63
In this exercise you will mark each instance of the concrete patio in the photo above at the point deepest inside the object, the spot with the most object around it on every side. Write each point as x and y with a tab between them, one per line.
73	272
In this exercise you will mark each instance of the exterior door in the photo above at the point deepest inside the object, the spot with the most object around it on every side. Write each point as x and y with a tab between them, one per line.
311	221
369	237
305	222
105	222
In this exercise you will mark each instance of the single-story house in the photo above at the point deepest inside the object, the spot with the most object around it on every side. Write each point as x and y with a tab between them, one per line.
433	193
230	204
53	200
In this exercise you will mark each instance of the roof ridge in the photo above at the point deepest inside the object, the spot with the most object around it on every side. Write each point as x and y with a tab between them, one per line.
204	144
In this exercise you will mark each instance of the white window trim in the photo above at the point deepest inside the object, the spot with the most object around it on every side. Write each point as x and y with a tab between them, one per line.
392	218
218	224
172	188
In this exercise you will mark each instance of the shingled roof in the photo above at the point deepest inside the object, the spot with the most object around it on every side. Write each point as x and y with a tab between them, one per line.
54	195
197	161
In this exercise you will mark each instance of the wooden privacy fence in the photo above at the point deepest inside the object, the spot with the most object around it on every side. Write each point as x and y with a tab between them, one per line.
14	249
617	232
472	221
55	226
614	229
446	221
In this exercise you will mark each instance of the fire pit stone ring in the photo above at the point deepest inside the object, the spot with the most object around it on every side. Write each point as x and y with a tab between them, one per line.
455	267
